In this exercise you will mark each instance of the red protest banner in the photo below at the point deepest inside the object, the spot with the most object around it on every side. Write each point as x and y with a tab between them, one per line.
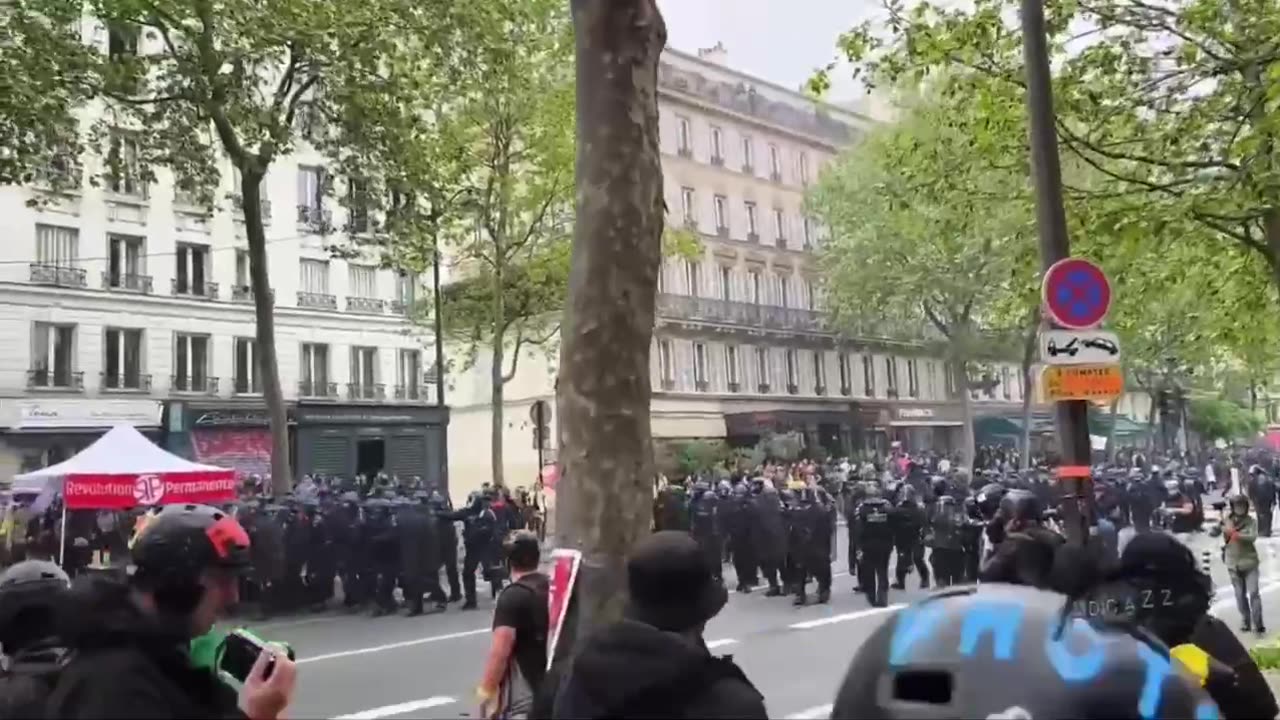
564	575
109	492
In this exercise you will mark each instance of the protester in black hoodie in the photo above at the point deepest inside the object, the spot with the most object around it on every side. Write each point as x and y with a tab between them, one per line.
131	640
654	662
31	597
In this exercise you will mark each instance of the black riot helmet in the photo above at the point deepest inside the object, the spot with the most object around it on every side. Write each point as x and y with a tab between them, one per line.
1005	651
1021	506
177	545
31	594
871	490
989	498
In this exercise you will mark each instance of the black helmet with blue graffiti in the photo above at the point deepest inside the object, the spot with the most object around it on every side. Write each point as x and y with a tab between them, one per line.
1005	651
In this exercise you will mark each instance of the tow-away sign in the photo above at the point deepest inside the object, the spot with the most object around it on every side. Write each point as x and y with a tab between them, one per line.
1079	347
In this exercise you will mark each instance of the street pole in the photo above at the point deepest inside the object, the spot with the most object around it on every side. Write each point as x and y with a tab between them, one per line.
1055	245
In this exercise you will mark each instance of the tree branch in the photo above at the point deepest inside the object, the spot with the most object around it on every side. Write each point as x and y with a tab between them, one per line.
515	358
215	102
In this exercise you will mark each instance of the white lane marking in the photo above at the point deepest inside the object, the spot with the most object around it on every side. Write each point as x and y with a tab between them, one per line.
393	710
813	713
809	624
392	646
712	645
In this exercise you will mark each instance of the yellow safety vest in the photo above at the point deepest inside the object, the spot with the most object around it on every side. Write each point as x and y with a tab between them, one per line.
1195	660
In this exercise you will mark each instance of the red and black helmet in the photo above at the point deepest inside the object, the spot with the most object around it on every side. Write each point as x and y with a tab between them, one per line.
180	542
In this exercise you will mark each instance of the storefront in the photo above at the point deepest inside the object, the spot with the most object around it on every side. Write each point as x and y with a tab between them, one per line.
37	433
226	435
825	432
348	440
922	427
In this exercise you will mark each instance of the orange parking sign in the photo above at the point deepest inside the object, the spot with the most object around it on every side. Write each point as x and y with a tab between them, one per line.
1082	382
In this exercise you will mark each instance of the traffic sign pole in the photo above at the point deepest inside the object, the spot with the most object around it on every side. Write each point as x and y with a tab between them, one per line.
1055	245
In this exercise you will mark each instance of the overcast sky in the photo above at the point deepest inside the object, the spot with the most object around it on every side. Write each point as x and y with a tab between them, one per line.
779	40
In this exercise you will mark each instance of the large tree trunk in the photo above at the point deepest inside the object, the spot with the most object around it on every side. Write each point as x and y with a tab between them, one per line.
264	314
497	384
605	495
1028	392
967	452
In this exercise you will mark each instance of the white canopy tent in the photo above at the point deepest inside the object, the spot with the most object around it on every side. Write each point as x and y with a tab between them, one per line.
121	451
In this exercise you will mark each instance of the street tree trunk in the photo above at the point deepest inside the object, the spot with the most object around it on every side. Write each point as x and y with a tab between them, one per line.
497	398
1028	391
264	315
605	495
967	452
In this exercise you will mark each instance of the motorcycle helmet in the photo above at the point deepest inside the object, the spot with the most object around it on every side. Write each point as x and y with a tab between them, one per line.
31	593
1006	651
178	544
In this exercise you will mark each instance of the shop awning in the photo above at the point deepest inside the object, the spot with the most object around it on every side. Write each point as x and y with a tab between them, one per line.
926	423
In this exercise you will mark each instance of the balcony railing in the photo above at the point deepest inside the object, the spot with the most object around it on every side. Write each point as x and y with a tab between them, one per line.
413	393
244	293
317	300
400	307
127	282
365	305
763	387
62	276
738	313
63	380
701	385
247	386
366	391
734	387
237	200
316	219
793	389
124	382
207	290
819	389
194	385
312	389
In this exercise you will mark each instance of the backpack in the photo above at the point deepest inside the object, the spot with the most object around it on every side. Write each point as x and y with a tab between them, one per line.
28	682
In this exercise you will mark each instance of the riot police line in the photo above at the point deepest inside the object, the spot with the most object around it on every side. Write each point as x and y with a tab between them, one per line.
374	546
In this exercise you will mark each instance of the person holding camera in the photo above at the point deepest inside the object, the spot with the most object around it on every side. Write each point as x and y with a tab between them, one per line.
1240	554
131	639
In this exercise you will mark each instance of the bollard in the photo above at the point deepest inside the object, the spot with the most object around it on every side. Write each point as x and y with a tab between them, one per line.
1204	561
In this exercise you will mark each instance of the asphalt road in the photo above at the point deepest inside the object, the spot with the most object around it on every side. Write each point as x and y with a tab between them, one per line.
357	667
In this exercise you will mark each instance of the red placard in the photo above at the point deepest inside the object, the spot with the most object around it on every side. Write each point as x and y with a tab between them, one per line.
564	575
1076	293
110	492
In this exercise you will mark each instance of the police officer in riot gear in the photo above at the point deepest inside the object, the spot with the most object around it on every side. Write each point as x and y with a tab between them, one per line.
706	527
875	543
740	527
770	536
945	538
908	520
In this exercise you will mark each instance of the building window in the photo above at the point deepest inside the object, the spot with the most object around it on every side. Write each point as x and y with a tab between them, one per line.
122	364
57	246
190	362
52	355
684	136
310	197
246	366
913	378
845	379
687	209
242	269
804	169
357	206
793	383
666	371
811	295
869	375
409	374
726	283
692	277
364	373
717	145
722	214
784	291
819	373
931	380
748	154
314	375
891	375
315	276
755	287
124	262
700	366
124	170
762	368
362	281
753	227
1006	387
731	367
808	232
775	163
950	370
191	270
779	227
122	40
406	290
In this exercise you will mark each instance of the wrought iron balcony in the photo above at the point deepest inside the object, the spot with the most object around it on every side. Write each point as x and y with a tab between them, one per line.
127	282
726	312
244	293
411	392
62	380
400	307
734	387
207	290
62	276
819	389
366	391
701	385
246	386
317	300
365	305
237	200
194	385
793	389
125	382
315	218
313	389
763	387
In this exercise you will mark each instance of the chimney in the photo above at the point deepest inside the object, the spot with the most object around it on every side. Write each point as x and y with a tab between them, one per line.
715	54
